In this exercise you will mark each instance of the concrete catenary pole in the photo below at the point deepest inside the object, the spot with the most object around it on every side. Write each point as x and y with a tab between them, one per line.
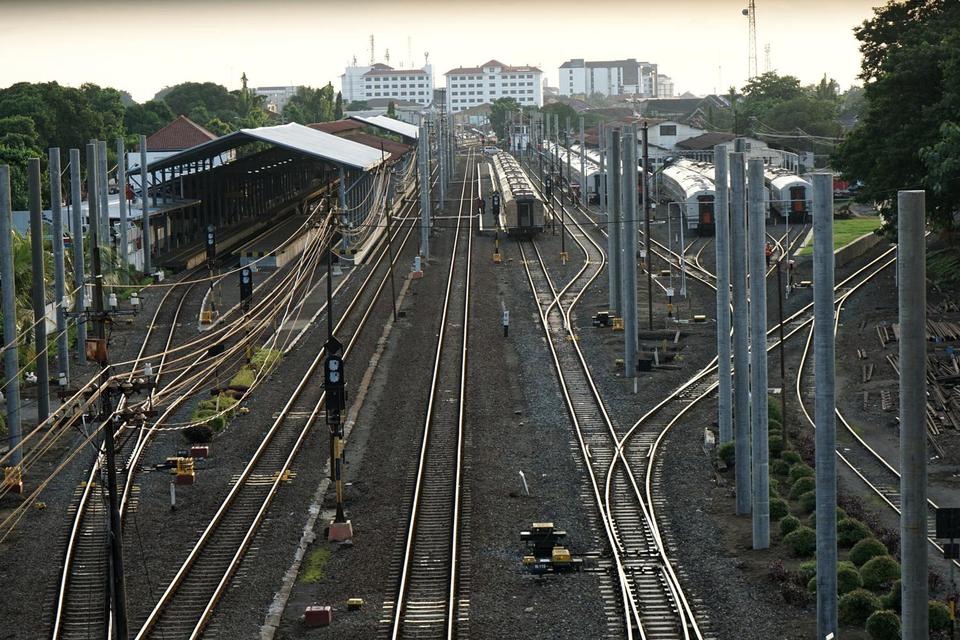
721	206
11	362
647	254
39	297
93	204
145	211
602	144
442	161
825	405
424	144
583	165
758	356
741	353
104	202
76	225
613	220
629	254
59	277
122	189
911	216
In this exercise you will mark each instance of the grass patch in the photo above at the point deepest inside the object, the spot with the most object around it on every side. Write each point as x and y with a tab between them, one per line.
316	563
845	232
943	266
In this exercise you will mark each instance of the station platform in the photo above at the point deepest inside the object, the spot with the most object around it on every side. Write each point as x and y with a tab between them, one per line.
276	248
194	254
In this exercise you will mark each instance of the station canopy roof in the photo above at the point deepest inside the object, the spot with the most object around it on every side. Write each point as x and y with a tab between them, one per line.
394	126
293	136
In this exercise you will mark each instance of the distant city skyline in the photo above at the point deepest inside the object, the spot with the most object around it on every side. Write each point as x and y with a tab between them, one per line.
700	44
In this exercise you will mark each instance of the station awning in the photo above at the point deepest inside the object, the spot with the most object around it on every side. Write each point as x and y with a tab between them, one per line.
293	136
394	126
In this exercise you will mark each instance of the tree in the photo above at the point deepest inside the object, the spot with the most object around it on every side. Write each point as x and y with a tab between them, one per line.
147	118
391	109
500	111
357	105
563	113
310	105
218	126
911	71
338	107
188	97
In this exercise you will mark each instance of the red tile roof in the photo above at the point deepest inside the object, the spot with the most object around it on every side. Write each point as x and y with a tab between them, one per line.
180	134
505	68
395	72
395	149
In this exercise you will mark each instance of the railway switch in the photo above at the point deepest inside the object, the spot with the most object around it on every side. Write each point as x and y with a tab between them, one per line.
546	552
184	471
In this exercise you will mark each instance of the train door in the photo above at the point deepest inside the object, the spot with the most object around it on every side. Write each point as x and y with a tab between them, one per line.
524	215
705	219
798	204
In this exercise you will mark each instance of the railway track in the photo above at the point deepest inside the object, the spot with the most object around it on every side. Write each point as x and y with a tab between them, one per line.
651	600
430	602
880	477
187	605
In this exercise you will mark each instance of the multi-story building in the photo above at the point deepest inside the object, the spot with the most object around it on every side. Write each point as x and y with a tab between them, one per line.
608	77
665	87
277	97
383	81
471	86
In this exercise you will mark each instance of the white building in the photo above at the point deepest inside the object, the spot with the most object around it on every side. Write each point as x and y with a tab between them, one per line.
277	97
383	81
471	86
608	77
665	87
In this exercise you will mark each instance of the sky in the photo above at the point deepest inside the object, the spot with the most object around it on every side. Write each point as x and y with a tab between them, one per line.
142	47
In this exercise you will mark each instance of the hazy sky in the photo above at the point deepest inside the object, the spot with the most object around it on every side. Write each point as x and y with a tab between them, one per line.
144	46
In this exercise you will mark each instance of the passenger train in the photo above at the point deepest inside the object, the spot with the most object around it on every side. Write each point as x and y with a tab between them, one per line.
790	196
691	186
521	208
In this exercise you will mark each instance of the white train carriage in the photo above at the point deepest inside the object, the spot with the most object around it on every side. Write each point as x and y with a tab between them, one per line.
790	195
520	206
689	186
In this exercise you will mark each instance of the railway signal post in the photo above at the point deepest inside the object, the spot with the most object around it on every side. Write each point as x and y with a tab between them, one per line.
911	218
825	404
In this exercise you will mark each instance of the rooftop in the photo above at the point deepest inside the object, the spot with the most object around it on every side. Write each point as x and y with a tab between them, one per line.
706	141
182	133
504	68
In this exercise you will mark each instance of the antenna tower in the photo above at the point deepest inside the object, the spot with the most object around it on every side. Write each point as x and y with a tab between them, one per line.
767	66
751	13
386	56
373	58
410	52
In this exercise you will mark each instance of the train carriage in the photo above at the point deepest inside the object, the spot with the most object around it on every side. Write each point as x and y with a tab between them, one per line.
694	192
790	195
521	208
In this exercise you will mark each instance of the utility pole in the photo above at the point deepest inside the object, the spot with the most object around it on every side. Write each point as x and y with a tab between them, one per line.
758	357
145	219
647	256
911	220
59	286
104	202
76	244
741	353
424	153
116	585
11	358
613	222
39	297
721	206
122	192
824	360
629	254
441	159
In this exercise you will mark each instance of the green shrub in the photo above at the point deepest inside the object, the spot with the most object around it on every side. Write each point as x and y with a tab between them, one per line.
220	403
800	470
807	570
855	607
778	509
848	579
265	359
775	445
210	418
892	598
884	625
879	573
808	501
780	467
939	616
801	486
812	584
774	428
727	452
812	520
198	434
773	410
850	531
244	378
774	486
788	524
791	457
802	542
867	549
